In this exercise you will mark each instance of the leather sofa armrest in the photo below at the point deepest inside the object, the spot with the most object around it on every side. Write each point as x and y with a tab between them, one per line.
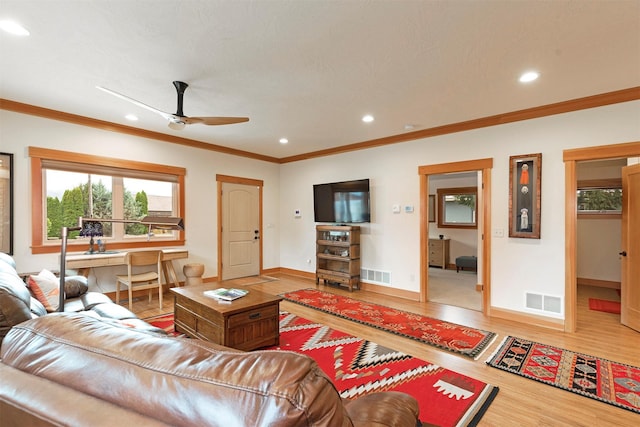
28	400
389	408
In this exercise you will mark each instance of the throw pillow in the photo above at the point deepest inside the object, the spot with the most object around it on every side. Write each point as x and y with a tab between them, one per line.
74	286
45	287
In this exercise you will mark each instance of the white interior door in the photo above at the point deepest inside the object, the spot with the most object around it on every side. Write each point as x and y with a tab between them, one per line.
630	251
240	230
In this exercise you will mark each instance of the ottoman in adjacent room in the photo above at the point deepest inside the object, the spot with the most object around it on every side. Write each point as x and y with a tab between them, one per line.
469	262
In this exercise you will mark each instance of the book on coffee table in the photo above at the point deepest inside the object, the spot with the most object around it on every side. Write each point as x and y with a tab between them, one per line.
226	294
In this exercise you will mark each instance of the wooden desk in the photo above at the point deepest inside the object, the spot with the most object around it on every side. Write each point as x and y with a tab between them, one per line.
84	262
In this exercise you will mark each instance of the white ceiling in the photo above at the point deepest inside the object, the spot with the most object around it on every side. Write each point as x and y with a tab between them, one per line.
309	70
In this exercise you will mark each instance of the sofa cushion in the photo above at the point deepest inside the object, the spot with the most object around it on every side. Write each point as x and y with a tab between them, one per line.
91	299
37	308
6	259
5	267
15	302
113	311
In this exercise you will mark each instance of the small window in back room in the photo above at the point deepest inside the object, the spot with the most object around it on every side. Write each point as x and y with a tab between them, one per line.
599	198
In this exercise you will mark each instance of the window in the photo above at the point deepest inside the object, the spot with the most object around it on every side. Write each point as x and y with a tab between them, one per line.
457	207
599	198
67	186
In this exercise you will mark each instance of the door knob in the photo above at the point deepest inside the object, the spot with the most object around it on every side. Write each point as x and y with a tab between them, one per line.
623	253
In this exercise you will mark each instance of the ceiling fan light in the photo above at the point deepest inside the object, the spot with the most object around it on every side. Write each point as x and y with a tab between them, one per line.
176	124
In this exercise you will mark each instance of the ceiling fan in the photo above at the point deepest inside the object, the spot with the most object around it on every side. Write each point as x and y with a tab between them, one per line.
178	120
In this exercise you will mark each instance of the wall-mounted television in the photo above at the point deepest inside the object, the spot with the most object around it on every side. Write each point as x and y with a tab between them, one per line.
343	202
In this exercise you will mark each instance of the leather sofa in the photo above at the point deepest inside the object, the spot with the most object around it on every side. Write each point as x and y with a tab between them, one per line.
76	370
18	305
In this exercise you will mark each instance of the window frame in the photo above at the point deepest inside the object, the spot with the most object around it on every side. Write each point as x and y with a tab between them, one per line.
39	156
604	184
442	193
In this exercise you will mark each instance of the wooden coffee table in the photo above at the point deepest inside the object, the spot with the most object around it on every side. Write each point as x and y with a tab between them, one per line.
247	323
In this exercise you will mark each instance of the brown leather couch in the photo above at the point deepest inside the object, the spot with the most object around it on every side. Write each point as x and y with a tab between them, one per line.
18	305
76	370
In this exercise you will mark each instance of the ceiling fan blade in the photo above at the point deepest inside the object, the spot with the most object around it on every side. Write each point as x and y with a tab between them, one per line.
214	121
138	103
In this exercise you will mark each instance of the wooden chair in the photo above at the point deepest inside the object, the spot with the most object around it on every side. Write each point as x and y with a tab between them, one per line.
149	279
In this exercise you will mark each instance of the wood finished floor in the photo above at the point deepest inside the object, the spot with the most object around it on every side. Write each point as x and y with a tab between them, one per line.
520	402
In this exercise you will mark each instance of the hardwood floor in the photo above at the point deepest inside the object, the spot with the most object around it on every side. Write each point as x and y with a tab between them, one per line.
520	402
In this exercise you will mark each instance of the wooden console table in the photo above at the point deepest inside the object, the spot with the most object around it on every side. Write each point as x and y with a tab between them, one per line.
84	262
247	323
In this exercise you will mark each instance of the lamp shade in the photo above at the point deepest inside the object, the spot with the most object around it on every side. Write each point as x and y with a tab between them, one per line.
167	222
91	228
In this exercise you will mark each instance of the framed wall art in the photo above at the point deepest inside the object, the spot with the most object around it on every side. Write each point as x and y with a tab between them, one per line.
6	203
524	195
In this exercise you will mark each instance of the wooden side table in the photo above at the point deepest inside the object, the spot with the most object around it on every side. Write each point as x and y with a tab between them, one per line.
248	323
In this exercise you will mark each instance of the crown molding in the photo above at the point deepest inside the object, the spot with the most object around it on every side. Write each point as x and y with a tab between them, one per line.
608	98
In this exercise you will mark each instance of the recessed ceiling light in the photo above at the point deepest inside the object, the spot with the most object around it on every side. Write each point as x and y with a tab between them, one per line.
368	118
283	140
409	126
131	117
14	28
529	76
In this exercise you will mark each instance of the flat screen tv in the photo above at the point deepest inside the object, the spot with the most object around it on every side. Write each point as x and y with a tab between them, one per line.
344	202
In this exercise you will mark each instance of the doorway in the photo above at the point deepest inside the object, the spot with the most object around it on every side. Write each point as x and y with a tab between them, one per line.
454	239
571	158
484	222
239	227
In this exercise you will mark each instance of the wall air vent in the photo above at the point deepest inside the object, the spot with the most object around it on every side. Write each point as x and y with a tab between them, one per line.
541	302
378	277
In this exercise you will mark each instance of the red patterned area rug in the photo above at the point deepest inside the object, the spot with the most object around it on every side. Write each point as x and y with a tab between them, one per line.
164	321
358	367
604	305
610	382
456	338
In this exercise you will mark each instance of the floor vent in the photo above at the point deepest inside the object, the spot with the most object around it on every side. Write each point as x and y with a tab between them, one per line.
375	276
541	302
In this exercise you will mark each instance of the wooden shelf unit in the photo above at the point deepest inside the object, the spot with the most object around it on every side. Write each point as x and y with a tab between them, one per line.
338	255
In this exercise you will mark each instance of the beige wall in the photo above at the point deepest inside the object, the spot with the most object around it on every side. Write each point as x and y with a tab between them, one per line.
391	241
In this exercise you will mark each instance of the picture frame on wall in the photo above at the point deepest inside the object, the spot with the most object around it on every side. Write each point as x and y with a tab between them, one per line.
525	173
432	208
6	203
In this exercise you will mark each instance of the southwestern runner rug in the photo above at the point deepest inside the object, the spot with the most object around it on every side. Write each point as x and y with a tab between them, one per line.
456	338
358	367
601	379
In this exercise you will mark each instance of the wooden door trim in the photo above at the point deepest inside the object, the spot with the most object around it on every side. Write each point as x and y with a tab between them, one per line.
221	179
570	157
484	165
